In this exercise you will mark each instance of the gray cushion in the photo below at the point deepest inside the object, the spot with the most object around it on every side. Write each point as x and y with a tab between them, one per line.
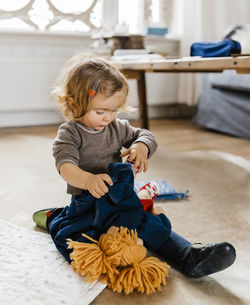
223	110
230	80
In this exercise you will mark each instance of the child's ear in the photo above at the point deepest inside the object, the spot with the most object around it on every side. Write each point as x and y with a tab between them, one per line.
72	103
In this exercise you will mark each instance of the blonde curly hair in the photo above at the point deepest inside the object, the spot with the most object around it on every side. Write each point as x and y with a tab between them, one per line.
81	73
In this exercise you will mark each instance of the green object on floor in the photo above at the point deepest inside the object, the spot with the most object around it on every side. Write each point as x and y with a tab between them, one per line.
40	218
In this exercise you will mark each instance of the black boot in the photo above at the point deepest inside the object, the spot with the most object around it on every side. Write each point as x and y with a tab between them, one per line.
199	260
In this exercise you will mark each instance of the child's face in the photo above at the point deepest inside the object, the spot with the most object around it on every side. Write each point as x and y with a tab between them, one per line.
103	110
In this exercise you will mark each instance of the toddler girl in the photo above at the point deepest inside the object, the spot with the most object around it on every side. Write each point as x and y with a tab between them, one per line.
88	157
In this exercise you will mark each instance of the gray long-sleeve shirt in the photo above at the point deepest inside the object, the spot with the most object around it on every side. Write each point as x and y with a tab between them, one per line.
92	150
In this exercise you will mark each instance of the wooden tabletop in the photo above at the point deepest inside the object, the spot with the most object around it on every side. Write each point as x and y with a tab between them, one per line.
137	68
187	64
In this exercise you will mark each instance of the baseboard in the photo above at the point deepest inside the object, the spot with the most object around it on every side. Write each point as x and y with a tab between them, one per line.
50	116
29	118
169	111
172	111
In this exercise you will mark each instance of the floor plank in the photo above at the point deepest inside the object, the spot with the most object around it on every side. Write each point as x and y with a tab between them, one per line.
174	135
183	135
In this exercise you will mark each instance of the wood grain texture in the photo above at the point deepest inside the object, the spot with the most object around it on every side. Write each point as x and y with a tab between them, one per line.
173	135
188	64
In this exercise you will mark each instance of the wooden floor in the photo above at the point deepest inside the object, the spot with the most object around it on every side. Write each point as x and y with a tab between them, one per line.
175	135
183	135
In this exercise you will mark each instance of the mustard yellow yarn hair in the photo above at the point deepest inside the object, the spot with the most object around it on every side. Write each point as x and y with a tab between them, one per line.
118	260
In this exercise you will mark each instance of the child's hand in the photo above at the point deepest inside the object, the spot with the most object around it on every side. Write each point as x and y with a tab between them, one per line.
96	184
157	211
138	155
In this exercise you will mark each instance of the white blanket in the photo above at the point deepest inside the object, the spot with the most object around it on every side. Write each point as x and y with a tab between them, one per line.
33	272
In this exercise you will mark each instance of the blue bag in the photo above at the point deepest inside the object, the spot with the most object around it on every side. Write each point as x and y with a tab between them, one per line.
223	48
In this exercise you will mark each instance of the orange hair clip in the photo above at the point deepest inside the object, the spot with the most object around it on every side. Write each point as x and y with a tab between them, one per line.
93	90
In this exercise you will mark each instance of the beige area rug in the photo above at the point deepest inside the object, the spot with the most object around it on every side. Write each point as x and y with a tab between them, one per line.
218	209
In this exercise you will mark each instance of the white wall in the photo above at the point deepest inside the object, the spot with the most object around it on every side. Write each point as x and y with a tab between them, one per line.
30	62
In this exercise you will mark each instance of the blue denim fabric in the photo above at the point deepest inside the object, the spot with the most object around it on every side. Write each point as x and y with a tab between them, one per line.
173	248
119	207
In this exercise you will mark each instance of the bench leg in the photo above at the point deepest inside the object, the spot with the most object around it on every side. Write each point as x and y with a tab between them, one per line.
143	108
